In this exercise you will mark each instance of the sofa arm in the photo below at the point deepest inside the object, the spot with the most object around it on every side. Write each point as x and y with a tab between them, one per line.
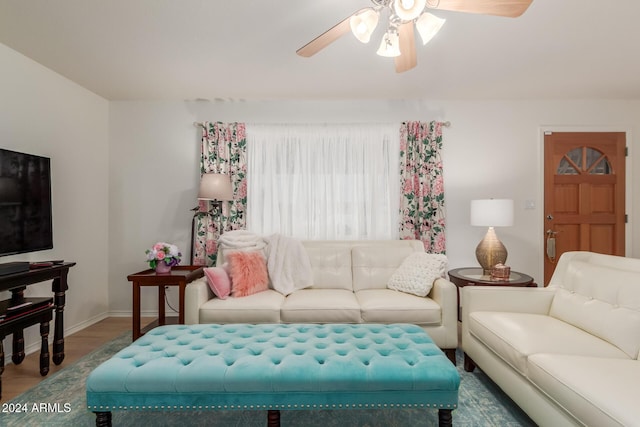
195	294
445	294
511	299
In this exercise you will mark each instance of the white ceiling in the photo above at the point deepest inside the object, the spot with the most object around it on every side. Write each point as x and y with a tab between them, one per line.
241	50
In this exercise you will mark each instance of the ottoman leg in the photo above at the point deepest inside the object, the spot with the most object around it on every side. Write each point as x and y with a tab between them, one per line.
445	419
103	419
273	418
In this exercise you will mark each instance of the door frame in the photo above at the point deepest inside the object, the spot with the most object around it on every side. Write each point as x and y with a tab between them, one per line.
627	183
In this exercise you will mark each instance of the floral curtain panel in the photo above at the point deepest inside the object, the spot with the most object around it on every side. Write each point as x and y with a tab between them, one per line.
422	213
223	150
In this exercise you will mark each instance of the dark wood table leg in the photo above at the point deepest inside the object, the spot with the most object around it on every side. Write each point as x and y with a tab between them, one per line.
273	418
445	418
59	301
44	348
181	292
103	419
17	355
136	311
162	319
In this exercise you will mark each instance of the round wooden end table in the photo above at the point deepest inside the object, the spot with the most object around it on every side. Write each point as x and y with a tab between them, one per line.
473	276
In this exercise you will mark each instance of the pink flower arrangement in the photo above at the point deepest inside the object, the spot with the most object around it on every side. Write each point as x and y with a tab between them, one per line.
163	251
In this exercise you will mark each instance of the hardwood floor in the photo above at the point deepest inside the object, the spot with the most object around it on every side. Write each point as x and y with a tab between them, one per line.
17	379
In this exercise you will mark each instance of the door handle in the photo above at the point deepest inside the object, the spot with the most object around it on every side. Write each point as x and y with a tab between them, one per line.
551	245
551	248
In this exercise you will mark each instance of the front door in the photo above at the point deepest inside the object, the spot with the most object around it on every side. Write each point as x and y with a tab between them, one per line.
584	188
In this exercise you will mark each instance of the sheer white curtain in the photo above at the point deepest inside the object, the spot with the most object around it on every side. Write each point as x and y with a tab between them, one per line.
323	181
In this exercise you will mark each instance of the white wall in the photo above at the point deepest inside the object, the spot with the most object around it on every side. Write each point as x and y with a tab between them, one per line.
492	149
43	113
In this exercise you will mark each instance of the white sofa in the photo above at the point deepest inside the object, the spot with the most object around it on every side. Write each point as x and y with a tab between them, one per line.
349	286
566	354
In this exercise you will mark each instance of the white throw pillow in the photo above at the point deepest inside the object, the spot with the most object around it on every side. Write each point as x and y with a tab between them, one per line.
417	273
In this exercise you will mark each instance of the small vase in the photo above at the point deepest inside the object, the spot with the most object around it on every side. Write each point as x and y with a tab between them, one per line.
162	268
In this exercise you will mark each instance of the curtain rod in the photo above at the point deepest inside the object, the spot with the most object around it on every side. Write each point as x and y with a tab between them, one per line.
201	124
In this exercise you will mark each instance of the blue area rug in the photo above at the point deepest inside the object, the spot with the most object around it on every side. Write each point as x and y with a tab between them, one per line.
60	400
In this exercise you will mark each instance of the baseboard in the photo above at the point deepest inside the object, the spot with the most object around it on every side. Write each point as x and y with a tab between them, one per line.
150	313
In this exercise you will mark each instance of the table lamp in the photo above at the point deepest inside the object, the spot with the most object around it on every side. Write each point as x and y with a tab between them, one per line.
216	188
491	213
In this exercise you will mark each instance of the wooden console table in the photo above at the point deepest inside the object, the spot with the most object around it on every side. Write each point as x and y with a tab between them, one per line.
19	312
179	276
18	282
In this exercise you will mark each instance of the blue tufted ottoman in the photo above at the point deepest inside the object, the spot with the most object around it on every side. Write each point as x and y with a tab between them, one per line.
275	367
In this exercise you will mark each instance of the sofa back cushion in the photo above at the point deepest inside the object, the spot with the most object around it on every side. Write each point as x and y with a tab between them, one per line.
330	264
375	262
600	295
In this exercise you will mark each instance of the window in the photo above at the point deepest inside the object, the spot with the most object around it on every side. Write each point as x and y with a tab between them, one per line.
323	181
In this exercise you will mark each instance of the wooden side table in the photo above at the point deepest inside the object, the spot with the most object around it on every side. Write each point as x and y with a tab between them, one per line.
179	276
36	310
471	276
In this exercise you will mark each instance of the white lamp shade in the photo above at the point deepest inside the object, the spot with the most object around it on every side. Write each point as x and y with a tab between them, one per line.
492	212
215	186
428	26
408	10
364	23
390	45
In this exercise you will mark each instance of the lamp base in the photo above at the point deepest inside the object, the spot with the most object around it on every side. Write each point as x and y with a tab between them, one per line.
490	251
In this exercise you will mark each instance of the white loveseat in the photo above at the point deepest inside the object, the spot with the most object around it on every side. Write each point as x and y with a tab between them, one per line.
349	286
566	354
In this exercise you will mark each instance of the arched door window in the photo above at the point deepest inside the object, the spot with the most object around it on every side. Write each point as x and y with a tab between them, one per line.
584	160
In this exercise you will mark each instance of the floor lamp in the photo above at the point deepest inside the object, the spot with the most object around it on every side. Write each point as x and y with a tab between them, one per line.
216	188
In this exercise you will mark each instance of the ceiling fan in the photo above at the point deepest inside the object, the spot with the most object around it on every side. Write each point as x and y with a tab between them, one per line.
399	40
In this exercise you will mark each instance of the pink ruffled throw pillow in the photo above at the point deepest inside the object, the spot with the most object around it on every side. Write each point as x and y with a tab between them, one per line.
248	272
219	281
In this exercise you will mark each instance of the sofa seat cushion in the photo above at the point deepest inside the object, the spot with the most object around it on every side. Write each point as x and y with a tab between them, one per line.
263	307
598	391
515	336
321	306
389	306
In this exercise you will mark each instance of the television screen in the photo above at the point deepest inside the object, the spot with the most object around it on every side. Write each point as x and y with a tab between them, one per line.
25	203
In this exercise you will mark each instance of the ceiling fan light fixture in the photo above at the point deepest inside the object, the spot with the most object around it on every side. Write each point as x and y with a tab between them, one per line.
390	44
364	23
408	10
428	26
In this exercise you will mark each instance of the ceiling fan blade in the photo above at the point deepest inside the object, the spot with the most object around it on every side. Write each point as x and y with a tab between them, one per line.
407	60
508	8
326	38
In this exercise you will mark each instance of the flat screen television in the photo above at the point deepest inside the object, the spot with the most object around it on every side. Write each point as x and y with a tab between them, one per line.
25	203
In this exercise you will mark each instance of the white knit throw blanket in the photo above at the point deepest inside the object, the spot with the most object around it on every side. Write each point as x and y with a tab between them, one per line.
241	240
288	264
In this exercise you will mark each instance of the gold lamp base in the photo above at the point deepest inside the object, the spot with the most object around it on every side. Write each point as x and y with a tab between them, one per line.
490	251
